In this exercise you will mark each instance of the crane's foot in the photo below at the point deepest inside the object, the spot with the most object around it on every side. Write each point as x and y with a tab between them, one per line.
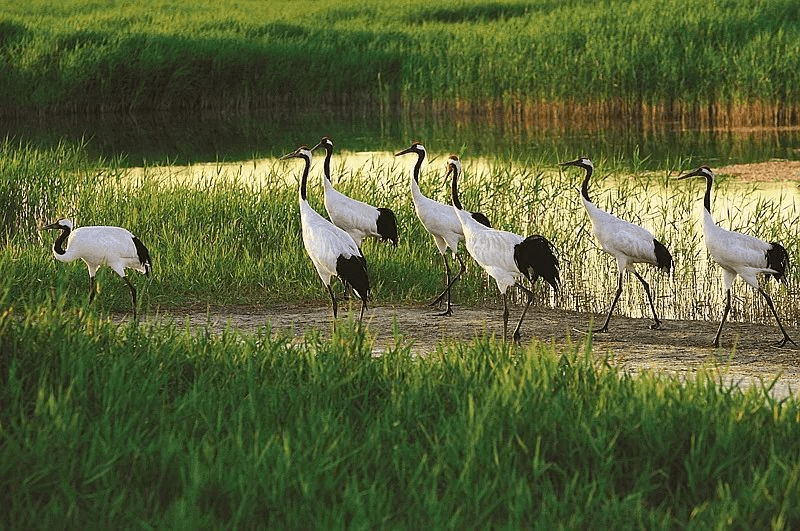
517	337
600	330
447	312
656	325
785	339
437	300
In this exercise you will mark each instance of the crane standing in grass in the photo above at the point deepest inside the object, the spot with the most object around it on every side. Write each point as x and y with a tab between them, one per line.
114	246
740	254
505	256
332	251
356	218
628	243
441	222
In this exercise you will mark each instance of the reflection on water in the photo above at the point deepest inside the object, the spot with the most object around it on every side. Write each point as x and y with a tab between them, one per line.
655	136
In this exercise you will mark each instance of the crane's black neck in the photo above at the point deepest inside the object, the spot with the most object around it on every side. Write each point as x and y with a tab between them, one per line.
327	165
58	246
707	198
418	165
456	201
585	185
304	179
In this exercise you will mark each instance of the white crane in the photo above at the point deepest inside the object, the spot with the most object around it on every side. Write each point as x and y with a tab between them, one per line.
113	246
441	222
505	256
356	218
630	244
332	251
740	254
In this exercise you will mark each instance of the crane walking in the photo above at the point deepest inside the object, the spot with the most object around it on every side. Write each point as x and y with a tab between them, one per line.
356	218
740	254
505	256
628	243
113	246
332	251
441	222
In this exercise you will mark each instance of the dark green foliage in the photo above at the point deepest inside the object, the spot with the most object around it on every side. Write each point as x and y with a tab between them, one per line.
81	56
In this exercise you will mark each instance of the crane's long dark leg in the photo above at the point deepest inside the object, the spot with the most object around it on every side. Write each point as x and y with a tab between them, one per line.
449	283
335	308
449	309
604	328
438	298
724	315
772	307
529	293
656	323
91	288
505	315
133	295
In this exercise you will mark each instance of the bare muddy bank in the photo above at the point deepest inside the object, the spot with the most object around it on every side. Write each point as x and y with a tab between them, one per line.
748	354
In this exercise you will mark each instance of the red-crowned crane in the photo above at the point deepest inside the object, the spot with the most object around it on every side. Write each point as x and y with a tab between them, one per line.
505	256
356	218
740	254
628	243
332	251
113	246
441	222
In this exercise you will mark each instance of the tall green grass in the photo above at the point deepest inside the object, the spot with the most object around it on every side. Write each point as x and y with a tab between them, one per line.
83	56
227	237
157	425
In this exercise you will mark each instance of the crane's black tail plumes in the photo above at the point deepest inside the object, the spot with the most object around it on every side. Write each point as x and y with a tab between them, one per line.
535	258
387	225
663	258
778	261
353	271
143	254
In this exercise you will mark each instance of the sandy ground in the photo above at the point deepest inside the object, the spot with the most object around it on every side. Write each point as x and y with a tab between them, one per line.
748	354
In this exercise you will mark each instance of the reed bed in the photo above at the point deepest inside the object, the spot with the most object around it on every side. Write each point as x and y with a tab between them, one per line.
159	425
230	235
80	56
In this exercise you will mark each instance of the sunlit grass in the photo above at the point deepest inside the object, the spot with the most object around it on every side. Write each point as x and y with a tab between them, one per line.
227	237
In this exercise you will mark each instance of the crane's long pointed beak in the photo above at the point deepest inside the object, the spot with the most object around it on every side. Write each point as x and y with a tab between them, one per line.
291	155
51	226
404	151
693	174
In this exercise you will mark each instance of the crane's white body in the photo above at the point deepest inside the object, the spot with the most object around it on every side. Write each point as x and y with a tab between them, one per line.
99	245
324	242
627	242
736	253
438	219
355	217
492	249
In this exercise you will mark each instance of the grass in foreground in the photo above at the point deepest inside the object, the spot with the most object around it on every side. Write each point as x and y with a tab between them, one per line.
112	426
